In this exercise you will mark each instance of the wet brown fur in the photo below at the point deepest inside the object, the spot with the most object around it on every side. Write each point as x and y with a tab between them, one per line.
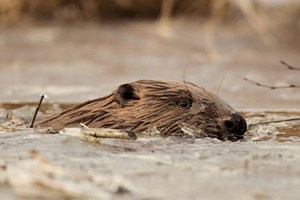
146	104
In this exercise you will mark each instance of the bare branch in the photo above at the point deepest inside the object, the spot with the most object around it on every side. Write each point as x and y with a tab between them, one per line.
270	86
289	66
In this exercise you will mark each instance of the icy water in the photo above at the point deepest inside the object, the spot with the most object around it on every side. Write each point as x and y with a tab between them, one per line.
37	164
75	64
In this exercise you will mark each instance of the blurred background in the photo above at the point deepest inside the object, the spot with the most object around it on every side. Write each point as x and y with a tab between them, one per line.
75	50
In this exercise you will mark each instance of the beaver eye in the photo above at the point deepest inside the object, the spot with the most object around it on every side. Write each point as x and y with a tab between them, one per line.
184	104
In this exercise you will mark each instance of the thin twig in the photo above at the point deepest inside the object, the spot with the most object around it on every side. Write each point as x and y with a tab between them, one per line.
289	66
247	105
37	109
270	86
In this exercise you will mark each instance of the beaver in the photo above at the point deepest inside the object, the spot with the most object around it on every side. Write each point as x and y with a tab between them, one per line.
170	107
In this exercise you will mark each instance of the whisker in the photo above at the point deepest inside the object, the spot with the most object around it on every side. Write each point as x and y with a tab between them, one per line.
247	105
224	75
184	74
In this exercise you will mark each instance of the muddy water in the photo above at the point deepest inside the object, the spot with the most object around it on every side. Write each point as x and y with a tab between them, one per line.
75	64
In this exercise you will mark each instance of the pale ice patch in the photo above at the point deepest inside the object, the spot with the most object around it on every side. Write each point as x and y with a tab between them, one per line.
190	131
152	131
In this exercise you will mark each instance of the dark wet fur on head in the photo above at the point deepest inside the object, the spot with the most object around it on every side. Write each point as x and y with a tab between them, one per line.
146	104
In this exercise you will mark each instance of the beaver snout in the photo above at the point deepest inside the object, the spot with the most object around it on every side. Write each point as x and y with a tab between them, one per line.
236	125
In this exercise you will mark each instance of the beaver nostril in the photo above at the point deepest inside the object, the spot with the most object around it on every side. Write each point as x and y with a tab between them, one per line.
229	124
242	126
236	125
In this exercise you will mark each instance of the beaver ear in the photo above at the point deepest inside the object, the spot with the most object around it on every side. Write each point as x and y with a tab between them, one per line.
125	93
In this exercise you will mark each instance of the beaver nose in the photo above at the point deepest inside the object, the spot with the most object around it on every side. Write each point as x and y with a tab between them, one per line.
236	125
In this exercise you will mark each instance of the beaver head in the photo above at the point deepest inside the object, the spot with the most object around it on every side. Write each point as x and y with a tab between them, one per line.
171	107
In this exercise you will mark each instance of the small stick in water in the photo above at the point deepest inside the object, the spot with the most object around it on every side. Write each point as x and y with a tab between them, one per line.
37	109
108	133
